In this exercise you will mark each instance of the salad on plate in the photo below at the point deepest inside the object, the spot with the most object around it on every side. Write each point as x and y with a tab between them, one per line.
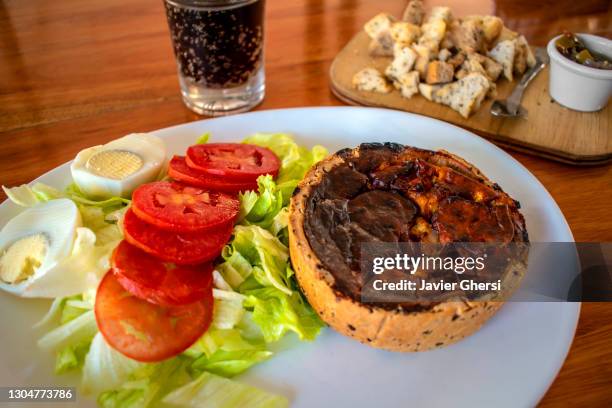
168	278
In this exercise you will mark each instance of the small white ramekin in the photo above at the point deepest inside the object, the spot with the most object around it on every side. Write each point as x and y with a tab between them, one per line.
576	86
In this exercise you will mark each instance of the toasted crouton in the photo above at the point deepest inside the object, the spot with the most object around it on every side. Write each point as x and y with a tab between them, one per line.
371	80
530	58
492	92
468	36
432	34
447	41
462	72
424	55
403	62
491	28
414	12
379	49
439	72
407	84
440	13
504	53
520	59
465	95
472	64
493	68
477	63
404	33
378	23
444	55
457	59
428	91
504	35
381	45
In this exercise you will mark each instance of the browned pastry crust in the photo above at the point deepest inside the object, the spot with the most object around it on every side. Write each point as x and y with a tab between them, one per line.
399	328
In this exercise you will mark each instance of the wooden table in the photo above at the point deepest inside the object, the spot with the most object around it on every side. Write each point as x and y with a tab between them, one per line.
77	73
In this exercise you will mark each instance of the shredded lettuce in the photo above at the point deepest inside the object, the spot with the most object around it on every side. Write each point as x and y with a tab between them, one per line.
26	196
295	160
260	209
105	368
276	313
228	309
74	193
71	357
77	330
203	139
212	391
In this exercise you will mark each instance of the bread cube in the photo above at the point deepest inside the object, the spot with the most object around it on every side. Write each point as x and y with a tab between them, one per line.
414	12
465	95
491	28
408	84
403	62
439	72
371	80
504	53
378	23
404	33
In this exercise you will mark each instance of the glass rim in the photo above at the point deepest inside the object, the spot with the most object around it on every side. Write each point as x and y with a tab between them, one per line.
209	3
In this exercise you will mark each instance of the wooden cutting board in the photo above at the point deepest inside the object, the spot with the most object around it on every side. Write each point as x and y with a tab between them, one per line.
549	130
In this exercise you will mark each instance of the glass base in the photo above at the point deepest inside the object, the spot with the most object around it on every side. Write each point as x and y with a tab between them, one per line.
220	102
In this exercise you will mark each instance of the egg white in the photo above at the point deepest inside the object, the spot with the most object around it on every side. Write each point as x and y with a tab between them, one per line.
58	221
150	149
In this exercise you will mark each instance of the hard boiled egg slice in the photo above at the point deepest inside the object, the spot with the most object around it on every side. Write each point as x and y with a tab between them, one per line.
118	167
35	241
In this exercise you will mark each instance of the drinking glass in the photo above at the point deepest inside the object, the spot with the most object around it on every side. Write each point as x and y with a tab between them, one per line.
219	49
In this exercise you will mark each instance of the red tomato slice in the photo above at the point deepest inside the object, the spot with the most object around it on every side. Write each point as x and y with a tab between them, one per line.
149	278
179	171
179	208
183	248
237	161
144	331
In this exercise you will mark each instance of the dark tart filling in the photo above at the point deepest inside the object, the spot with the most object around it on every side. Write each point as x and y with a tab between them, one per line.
394	193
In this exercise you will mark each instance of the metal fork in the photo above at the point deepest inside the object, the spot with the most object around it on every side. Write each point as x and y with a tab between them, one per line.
511	107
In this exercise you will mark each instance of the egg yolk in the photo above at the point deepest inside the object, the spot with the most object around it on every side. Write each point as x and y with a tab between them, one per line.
114	164
22	258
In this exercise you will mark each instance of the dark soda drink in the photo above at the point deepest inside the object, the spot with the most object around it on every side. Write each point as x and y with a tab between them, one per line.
219	50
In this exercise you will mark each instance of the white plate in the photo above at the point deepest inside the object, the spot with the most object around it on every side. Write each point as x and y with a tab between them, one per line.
509	363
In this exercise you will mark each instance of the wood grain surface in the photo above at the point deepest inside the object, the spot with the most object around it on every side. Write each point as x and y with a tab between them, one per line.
548	130
77	73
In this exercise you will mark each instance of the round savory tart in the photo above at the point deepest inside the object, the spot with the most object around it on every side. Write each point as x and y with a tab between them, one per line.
394	193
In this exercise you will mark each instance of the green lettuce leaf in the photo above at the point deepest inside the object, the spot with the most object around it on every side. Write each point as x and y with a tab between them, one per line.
295	160
203	139
261	209
74	193
229	363
276	313
266	252
71	357
212	391
76	331
106	368
236	267
52	316
221	339
26	196
228	309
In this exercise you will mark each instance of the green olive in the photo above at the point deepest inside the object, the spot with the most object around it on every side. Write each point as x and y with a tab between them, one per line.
583	56
565	43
